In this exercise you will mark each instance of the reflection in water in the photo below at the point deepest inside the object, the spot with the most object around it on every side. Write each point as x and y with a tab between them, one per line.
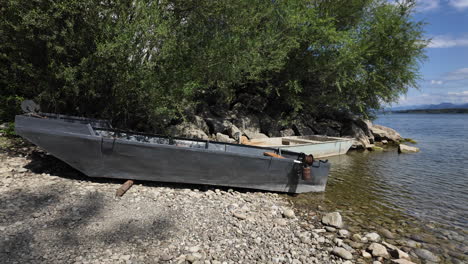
409	194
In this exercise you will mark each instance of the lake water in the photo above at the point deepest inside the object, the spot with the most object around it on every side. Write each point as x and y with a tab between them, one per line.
410	194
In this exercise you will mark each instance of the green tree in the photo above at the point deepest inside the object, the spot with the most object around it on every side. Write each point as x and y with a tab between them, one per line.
144	63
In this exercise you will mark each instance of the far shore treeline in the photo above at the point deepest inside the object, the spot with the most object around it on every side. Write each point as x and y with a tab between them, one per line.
146	64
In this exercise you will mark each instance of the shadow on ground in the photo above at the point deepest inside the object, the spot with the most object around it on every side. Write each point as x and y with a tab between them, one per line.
45	222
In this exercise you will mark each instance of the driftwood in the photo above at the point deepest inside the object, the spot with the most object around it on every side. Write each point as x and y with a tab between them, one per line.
124	188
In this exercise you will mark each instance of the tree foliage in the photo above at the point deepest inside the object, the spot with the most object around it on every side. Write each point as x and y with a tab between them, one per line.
144	63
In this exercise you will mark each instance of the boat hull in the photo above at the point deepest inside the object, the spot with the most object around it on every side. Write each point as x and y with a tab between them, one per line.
217	163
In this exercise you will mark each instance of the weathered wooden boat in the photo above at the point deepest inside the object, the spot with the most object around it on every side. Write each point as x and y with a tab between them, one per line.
93	147
319	146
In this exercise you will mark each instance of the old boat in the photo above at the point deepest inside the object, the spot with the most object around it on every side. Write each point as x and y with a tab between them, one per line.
93	147
319	146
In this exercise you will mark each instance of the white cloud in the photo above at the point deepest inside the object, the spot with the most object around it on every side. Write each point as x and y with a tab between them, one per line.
459	4
427	5
447	42
436	82
460	74
435	98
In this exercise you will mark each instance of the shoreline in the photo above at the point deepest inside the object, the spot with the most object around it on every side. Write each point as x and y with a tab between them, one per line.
54	214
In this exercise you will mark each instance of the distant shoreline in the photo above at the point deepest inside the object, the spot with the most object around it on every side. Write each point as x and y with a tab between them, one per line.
433	111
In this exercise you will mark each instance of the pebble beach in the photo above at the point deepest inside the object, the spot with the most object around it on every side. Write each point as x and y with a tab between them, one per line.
51	213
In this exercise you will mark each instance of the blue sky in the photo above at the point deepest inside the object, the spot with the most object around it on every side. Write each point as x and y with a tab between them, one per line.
445	72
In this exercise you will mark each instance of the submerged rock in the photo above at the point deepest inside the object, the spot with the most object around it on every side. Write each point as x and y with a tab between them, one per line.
402	148
333	219
386	233
426	255
402	261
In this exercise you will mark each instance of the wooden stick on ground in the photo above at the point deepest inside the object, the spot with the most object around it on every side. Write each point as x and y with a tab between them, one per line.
271	154
124	188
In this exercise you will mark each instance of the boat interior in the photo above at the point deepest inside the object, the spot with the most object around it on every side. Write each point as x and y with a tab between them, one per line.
297	140
103	128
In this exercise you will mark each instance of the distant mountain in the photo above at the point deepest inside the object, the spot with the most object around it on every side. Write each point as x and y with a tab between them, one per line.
429	106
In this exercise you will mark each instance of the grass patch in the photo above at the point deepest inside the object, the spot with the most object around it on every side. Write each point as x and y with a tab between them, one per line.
409	140
8	129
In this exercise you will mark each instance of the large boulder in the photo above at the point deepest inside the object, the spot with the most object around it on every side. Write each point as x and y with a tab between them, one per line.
366	125
327	128
188	130
218	125
269	126
361	140
224	138
234	132
249	125
402	148
287	132
385	133
301	129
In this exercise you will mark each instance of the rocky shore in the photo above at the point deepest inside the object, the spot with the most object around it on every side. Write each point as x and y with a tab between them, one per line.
240	125
53	214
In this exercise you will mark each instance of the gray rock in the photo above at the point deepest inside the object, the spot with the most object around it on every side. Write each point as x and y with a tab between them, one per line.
386	233
361	140
302	129
239	215
366	254
234	132
409	243
288	213
373	237
166	257
280	222
355	244
399	254
194	249
248	124
256	135
188	130
378	250
382	132
426	255
389	246
330	229
343	233
402	148
200	123
333	219
224	138
342	253
402	261
287	132
356	237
